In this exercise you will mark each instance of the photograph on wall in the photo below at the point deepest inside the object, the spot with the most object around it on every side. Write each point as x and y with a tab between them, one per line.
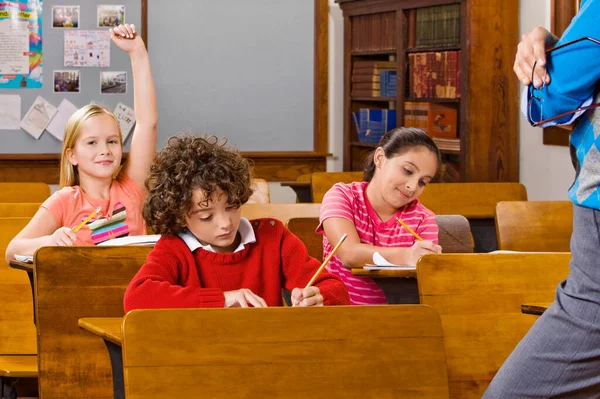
113	82
66	81
21	44
87	48
65	17
110	15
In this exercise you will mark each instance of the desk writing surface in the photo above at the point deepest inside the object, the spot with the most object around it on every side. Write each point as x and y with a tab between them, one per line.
109	328
15	264
535	308
384	273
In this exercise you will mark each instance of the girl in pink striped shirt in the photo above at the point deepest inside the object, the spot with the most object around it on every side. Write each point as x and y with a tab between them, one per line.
396	174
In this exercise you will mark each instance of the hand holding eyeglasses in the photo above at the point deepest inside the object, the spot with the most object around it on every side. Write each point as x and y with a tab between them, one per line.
532	51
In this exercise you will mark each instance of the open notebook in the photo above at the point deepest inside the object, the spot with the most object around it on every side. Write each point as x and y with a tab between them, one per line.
380	263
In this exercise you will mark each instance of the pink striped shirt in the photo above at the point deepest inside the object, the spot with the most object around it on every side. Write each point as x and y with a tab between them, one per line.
349	201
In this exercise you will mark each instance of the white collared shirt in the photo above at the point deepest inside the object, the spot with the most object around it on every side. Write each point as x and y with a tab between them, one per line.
246	234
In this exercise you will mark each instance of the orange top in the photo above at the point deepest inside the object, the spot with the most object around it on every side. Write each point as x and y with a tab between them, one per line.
120	214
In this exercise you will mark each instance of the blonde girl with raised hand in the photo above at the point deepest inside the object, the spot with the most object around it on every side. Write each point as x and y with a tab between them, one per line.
91	175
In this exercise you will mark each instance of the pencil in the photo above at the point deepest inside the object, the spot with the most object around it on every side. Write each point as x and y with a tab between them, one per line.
94	212
411	231
325	262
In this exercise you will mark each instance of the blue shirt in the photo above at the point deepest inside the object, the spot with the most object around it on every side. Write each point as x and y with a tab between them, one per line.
575	81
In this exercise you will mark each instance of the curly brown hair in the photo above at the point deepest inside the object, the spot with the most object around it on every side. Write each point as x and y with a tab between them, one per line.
185	164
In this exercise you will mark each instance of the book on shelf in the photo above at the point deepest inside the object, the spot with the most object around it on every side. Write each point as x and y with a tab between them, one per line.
388	84
364	93
437	120
366	86
374	64
452	145
373	32
437	26
434	74
372	123
365	78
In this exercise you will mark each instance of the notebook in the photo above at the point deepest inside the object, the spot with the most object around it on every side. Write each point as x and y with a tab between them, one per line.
132	240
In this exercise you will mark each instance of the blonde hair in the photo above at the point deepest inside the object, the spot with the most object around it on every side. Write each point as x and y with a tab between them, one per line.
68	172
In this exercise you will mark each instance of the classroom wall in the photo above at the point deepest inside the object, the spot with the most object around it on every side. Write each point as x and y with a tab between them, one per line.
545	170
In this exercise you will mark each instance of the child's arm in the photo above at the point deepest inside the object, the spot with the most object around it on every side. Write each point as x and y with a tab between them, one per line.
40	231
355	254
298	269
158	284
143	142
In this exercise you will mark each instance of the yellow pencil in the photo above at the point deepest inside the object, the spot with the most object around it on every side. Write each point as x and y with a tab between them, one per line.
325	262
418	237
76	229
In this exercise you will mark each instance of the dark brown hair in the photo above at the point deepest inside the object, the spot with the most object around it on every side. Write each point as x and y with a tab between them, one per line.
399	141
185	164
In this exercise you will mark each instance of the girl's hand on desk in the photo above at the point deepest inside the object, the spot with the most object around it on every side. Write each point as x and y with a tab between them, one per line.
421	248
243	298
63	237
310	296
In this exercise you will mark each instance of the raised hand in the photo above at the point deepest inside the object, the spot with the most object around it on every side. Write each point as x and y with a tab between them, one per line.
126	38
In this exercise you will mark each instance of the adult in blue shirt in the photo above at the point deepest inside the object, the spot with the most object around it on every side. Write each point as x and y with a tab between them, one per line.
560	355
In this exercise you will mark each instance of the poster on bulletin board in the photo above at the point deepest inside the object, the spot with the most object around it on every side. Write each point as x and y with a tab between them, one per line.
20	44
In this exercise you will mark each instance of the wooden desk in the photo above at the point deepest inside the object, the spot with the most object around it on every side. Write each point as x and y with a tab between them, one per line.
385	273
109	329
27	267
534	308
302	190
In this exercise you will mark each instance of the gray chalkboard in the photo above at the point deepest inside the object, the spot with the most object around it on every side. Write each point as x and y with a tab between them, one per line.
18	141
236	68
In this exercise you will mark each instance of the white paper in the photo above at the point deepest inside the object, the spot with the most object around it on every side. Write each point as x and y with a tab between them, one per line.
24	258
14	46
57	125
38	117
375	267
10	111
126	117
380	263
87	48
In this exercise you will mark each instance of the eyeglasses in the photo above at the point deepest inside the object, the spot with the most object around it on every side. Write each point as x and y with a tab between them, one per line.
532	90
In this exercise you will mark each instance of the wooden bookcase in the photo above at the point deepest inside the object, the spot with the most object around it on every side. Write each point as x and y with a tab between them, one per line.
487	146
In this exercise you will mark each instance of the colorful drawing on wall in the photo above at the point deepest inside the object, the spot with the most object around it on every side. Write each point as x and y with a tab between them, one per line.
87	48
21	38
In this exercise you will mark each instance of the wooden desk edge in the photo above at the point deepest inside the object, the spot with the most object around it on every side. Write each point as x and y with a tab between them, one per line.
109	328
384	273
534	308
15	264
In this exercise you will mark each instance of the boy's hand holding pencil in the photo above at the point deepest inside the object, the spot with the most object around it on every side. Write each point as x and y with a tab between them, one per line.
309	295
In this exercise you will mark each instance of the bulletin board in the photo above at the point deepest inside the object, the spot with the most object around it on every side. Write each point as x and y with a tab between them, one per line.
18	141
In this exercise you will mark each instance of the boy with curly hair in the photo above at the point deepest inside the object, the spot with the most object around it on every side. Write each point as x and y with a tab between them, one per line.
208	255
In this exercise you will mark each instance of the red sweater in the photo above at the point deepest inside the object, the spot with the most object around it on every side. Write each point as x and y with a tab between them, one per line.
174	277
